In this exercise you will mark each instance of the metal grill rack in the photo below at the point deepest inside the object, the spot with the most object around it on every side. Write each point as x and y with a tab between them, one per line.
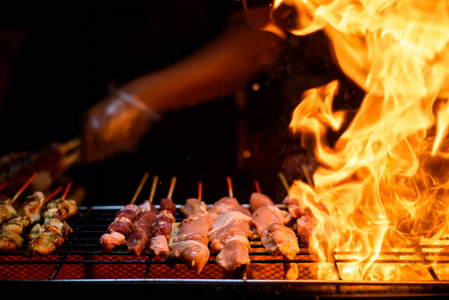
81	261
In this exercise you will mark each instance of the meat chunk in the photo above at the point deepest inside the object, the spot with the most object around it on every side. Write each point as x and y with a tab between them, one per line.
130	211
60	208
144	221
194	228
168	204
32	206
44	243
16	224
279	239
258	200
122	227
108	241
235	253
159	245
10	241
194	206
138	241
304	228
227	226
226	204
192	253
7	211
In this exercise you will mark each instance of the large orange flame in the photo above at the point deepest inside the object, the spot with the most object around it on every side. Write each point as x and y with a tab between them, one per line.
385	183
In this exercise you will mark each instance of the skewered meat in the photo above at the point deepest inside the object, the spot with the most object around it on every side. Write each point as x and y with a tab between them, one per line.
108	241
258	200
147	206
119	230
60	208
190	244
194	228
32	206
121	225
227	226
275	236
10	241
304	227
44	243
192	253
168	204
235	253
139	238
138	241
130	211
16	224
161	233
194	206
230	233
7	211
304	217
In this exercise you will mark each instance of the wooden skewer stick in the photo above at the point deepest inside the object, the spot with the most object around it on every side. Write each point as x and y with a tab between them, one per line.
172	187
284	182
23	187
307	174
200	190
66	191
153	188
139	187
256	184
55	192
231	193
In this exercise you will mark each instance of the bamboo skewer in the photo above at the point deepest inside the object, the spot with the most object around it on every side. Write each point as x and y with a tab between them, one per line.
284	182
27	183
55	192
139	188
256	184
307	174
66	191
230	191
153	188
172	187
200	190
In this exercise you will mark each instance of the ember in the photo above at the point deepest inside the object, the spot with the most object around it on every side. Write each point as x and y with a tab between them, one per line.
384	182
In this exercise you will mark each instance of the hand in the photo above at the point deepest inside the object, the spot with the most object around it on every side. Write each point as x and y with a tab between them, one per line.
115	125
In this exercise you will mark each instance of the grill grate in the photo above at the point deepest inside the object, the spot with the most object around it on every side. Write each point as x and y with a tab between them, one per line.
81	257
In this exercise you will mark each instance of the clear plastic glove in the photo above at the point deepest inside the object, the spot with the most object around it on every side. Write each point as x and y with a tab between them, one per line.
115	125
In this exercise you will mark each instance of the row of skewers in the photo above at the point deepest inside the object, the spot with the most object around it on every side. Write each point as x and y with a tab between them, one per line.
225	227
38	219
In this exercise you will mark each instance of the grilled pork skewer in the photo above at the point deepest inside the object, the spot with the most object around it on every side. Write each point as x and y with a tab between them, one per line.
141	227
190	243
161	229
230	232
305	221
269	222
121	228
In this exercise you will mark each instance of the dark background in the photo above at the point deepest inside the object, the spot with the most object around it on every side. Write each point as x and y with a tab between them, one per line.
60	57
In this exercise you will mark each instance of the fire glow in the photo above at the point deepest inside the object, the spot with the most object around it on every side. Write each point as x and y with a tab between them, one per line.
385	182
